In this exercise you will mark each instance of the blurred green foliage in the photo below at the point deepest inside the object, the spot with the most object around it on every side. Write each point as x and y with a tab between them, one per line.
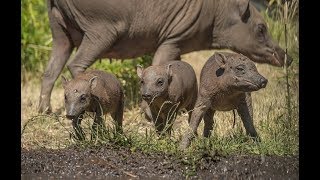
35	36
274	16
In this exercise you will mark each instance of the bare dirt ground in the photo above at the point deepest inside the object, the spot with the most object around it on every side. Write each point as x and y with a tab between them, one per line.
116	162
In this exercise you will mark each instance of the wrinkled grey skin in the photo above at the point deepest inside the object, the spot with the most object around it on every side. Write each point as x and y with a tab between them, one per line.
174	81
93	91
124	29
226	83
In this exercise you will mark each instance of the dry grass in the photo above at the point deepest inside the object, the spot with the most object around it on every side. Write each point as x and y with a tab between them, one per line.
268	104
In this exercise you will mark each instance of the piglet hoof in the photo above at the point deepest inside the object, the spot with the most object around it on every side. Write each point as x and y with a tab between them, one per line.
77	137
80	138
256	139
94	136
186	141
147	118
119	131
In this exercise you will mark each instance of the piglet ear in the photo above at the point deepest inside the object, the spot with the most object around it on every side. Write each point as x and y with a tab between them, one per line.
222	60
93	82
139	71
244	11
169	71
64	81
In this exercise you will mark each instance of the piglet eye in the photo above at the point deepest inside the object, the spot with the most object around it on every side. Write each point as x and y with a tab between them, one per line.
239	68
261	30
83	98
141	82
65	97
160	82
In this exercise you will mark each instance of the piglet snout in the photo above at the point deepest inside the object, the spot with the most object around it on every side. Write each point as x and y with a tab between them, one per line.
70	116
146	96
263	82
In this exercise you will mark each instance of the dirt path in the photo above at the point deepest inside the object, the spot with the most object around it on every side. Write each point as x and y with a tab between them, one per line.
112	162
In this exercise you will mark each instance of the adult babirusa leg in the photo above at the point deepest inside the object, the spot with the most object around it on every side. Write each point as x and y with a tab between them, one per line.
61	50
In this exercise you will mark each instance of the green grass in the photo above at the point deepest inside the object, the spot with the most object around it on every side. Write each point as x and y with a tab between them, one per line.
36	36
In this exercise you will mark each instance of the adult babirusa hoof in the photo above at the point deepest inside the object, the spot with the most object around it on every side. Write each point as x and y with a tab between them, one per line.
44	108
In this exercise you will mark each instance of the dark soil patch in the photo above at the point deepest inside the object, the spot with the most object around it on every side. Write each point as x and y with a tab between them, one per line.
112	162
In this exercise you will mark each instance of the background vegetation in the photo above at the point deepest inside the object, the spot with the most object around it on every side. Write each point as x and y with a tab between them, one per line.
275	108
